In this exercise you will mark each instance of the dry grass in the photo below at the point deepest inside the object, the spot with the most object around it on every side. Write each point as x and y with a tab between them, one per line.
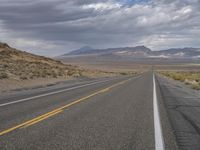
188	77
20	69
19	65
15	64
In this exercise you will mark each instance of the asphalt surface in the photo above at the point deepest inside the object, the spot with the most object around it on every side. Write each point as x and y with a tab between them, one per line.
183	107
104	114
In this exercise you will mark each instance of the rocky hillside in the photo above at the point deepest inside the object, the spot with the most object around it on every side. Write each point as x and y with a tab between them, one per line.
19	65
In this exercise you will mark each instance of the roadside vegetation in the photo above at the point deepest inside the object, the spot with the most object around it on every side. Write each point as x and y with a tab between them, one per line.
19	65
191	78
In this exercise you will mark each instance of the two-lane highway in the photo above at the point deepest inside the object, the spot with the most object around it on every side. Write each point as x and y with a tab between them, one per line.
112	114
117	114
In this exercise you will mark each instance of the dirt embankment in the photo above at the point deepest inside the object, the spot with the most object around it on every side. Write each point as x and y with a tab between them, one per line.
21	69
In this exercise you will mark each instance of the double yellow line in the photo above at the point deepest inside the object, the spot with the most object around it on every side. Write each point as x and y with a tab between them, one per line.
58	110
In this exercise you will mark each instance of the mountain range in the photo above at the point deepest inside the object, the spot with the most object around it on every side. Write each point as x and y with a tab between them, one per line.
137	52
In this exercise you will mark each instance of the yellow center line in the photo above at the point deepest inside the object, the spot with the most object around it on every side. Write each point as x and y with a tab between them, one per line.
34	122
58	110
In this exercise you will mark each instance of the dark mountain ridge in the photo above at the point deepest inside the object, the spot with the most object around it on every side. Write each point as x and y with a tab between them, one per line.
82	50
139	52
108	50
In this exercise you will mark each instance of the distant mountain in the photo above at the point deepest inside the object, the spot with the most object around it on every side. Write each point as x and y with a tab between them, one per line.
188	52
82	50
90	51
138	52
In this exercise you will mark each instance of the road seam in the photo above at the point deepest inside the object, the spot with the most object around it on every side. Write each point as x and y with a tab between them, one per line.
159	142
59	110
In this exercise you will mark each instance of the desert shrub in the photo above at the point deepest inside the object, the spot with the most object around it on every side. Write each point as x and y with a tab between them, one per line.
31	77
178	77
43	75
48	73
3	75
70	72
124	73
76	74
23	77
187	82
54	75
5	65
60	72
196	86
197	80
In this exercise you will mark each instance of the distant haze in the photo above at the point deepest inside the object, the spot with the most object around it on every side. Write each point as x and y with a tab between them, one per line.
55	27
136	52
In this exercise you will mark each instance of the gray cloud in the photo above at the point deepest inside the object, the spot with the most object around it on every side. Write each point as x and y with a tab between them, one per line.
52	27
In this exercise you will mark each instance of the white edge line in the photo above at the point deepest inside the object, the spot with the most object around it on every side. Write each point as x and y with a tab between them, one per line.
159	142
51	93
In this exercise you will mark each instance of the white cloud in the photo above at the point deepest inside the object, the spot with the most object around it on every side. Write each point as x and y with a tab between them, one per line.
65	25
102	6
20	42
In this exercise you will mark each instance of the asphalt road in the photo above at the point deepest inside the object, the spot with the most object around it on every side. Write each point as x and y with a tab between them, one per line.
122	113
183	108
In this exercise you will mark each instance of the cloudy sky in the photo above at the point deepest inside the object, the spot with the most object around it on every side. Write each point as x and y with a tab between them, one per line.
53	27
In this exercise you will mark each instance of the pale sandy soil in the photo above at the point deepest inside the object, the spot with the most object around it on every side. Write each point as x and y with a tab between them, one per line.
10	84
123	66
7	85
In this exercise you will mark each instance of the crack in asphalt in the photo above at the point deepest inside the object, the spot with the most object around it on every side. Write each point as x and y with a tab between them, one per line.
178	106
182	97
191	122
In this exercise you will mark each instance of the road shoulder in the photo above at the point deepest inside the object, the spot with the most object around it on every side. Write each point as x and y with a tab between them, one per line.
182	105
168	134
